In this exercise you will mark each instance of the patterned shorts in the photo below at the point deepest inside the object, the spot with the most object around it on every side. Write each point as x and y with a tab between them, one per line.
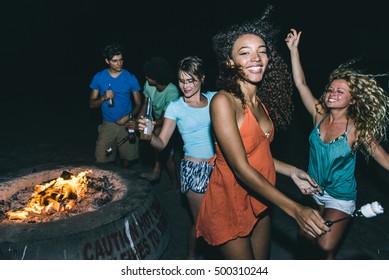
195	175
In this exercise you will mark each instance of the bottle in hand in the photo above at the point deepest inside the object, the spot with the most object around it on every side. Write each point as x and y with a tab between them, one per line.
146	133
110	100
131	130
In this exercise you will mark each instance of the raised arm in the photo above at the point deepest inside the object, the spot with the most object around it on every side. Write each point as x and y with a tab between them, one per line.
292	41
381	156
228	138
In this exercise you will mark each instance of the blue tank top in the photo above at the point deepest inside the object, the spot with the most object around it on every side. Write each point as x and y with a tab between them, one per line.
332	165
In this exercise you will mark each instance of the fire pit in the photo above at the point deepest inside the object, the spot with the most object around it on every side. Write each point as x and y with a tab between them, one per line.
131	225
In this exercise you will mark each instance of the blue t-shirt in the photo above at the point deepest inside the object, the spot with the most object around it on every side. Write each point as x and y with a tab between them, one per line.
123	86
194	125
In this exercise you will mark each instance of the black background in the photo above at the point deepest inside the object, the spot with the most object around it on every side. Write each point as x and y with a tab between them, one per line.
51	49
42	39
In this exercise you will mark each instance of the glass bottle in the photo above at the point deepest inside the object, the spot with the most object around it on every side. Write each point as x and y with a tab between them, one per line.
110	100
131	131
148	117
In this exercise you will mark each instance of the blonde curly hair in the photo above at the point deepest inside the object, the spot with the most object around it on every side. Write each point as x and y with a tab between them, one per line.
369	112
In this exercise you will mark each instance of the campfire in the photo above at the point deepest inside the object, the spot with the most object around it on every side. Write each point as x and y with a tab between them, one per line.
80	212
66	196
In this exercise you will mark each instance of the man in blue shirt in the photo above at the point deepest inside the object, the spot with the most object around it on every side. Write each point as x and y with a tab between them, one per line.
118	84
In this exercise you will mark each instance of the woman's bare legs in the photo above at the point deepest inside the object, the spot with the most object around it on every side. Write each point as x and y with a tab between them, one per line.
194	200
260	239
325	247
254	246
328	243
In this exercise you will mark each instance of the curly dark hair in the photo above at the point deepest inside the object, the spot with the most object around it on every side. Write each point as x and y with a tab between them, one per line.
158	68
276	87
111	50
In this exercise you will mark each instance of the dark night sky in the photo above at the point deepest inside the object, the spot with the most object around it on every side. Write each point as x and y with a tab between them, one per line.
51	49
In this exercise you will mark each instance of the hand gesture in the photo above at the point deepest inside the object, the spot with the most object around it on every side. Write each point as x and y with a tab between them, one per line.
305	183
292	39
310	221
142	123
131	124
109	94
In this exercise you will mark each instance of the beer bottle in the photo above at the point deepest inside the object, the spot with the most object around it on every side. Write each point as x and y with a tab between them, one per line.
148	117
131	131
110	100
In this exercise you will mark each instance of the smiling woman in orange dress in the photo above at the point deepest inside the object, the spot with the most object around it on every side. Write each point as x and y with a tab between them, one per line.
254	96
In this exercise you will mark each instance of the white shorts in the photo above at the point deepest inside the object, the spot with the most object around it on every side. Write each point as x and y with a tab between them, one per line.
346	206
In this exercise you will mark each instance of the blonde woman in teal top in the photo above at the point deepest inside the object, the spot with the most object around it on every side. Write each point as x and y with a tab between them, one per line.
351	115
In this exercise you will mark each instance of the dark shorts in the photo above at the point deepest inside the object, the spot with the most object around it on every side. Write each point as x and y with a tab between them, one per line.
195	175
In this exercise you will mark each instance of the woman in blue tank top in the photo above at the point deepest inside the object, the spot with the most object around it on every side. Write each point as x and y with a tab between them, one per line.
351	115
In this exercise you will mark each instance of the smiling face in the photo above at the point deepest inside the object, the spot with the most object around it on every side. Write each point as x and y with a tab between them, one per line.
338	95
249	53
188	84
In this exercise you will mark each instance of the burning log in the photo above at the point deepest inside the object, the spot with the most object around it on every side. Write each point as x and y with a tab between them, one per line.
68	195
55	194
129	224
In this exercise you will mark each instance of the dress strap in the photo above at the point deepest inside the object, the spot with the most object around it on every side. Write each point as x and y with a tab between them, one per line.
319	123
322	119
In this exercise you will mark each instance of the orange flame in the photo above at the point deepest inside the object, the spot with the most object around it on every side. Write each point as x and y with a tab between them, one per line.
59	194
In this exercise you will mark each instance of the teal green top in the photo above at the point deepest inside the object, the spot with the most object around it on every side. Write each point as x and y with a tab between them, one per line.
332	165
161	99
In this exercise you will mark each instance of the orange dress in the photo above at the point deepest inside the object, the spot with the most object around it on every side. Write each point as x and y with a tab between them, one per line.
228	211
